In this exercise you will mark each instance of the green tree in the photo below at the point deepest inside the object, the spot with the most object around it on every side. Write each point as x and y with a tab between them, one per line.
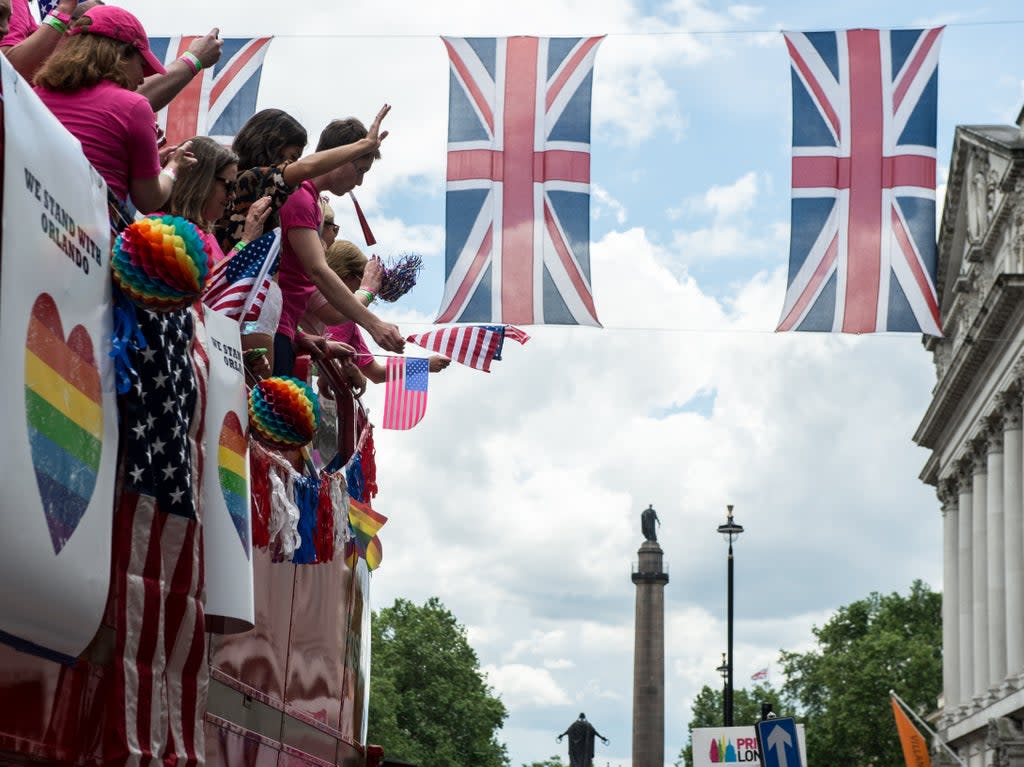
746	709
551	761
429	703
842	687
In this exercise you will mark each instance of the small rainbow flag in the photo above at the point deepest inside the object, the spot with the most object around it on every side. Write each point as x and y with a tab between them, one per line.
374	554
366	523
232	467
64	414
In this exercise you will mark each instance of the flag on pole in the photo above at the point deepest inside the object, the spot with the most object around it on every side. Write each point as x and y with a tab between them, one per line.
915	749
518	198
758	676
217	101
470	345
862	256
405	392
238	285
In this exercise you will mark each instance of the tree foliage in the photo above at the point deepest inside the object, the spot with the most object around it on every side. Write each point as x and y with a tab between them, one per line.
842	687
429	703
551	761
746	707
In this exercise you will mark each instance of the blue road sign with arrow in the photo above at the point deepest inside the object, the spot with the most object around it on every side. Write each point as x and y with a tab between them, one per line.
779	744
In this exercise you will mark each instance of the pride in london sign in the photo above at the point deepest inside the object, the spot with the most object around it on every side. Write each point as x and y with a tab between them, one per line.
714	746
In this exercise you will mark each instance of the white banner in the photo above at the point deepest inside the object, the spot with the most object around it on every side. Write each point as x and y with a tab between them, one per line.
713	746
57	389
227	527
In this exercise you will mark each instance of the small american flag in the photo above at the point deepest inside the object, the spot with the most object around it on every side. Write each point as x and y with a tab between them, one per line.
239	284
405	392
516	334
46	7
220	99
470	345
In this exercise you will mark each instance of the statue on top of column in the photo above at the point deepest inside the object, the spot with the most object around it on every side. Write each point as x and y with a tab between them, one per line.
648	520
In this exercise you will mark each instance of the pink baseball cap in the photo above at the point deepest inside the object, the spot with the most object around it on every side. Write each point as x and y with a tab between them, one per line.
118	24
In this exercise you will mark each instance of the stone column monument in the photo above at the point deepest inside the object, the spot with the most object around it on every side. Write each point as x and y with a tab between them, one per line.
649	649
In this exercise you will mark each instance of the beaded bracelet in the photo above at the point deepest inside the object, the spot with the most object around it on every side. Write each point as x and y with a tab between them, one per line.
193	62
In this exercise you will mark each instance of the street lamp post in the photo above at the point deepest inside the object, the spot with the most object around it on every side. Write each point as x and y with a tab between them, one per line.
723	671
729	531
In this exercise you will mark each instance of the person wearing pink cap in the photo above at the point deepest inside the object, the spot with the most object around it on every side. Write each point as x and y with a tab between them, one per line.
28	44
89	84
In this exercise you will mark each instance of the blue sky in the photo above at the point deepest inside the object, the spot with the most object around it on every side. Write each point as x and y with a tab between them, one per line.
517	499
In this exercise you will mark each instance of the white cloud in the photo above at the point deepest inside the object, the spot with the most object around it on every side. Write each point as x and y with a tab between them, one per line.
521	686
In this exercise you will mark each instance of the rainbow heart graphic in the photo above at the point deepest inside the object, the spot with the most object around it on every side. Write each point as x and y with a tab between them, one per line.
233	469
64	412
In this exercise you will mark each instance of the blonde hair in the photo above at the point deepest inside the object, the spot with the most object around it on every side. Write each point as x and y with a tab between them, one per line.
82	61
326	214
346	259
192	187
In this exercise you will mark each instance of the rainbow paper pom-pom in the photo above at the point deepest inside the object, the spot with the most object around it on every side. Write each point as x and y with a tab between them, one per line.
399	277
161	262
284	412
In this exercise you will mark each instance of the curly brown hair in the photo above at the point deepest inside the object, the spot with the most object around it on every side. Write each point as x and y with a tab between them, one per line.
82	61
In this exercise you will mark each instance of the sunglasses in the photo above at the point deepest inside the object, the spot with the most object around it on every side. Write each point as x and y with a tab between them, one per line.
229	185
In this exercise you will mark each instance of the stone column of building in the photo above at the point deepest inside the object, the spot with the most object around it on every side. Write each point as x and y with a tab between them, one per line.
979	577
1013	530
965	576
649	659
996	547
950	603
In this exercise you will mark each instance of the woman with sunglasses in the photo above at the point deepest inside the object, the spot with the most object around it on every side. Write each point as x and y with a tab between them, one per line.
204	190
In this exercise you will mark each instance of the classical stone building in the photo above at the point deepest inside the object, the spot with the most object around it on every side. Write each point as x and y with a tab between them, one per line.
973	428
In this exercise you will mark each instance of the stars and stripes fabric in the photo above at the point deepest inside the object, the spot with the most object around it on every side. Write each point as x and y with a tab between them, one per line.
46	6
405	392
518	194
217	101
238	286
862	250
154	689
471	345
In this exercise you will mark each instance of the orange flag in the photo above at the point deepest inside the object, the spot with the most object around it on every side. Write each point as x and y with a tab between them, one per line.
915	749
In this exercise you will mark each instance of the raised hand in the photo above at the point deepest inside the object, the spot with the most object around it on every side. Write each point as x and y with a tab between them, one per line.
373	132
208	48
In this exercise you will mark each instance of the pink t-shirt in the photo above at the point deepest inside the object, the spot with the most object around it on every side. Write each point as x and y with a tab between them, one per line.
216	252
302	211
22	24
348	333
117	129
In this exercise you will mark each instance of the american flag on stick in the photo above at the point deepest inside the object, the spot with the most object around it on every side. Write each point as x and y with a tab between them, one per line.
238	285
862	253
518	201
405	392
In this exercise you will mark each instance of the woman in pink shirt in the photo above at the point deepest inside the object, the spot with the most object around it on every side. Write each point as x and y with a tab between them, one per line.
203	191
89	84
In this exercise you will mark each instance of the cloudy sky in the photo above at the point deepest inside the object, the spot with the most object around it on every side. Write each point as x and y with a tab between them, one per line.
517	499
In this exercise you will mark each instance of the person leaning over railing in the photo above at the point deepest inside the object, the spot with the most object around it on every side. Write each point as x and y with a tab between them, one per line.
89	84
27	45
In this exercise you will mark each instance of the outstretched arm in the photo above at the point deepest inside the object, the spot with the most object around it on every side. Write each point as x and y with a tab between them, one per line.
310	251
160	90
326	160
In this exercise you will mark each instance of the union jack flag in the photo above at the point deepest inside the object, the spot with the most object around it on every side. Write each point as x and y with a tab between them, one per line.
238	285
518	198
218	101
862	253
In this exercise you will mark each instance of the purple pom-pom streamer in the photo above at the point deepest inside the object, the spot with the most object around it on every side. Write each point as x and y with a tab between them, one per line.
399	277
